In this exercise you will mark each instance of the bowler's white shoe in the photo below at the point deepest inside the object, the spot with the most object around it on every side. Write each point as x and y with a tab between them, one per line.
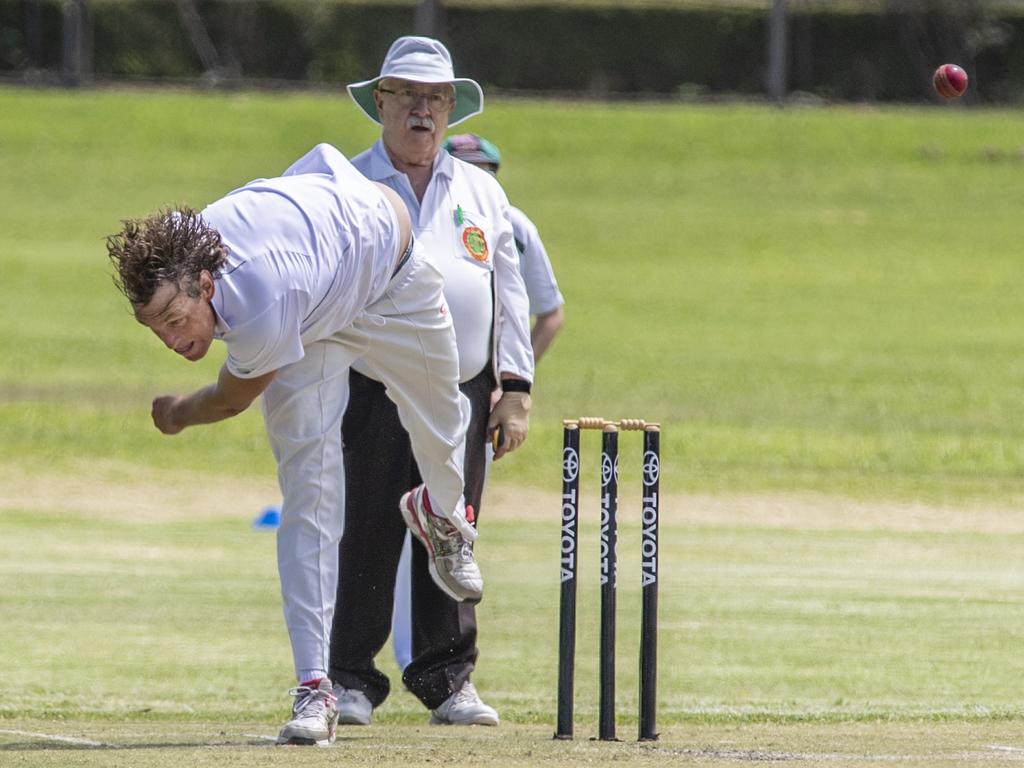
353	706
464	707
450	556
314	716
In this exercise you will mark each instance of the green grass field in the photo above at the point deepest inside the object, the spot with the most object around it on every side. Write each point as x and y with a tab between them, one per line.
820	299
820	306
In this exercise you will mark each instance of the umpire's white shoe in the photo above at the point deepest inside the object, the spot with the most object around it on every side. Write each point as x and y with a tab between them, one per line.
450	556
464	707
314	716
353	706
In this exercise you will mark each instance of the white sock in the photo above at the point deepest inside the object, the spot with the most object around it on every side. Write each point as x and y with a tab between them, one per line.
309	675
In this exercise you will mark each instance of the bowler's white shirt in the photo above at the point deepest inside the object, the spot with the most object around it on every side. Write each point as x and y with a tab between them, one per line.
459	199
307	252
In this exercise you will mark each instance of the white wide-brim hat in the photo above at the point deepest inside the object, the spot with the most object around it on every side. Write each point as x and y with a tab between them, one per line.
421	60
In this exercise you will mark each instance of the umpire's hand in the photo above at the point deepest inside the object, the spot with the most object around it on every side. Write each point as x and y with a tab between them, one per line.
511	417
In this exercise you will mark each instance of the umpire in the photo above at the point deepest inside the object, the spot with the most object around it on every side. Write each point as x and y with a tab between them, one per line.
461	218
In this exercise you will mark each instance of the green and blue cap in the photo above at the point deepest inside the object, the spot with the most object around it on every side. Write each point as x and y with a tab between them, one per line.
473	149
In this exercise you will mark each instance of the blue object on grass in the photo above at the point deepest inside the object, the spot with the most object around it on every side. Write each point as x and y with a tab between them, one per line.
268	519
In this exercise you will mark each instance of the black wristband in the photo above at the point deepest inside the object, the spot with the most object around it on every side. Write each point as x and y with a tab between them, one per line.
516	385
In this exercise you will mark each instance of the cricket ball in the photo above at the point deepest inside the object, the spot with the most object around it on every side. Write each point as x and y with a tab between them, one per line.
950	81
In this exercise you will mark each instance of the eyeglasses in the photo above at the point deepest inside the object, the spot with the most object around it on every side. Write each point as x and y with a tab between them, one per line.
437	101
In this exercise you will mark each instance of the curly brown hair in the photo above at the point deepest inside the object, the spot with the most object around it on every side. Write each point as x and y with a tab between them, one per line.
169	246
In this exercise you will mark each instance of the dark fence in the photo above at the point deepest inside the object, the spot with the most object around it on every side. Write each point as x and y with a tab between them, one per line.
885	52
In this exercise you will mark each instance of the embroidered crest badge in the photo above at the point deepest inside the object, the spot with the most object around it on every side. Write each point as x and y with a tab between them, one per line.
475	243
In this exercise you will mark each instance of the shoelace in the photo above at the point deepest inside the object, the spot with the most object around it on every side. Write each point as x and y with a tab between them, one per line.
466	693
447	539
306	696
442	524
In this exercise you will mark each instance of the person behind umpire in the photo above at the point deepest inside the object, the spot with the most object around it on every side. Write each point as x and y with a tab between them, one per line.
461	217
301	276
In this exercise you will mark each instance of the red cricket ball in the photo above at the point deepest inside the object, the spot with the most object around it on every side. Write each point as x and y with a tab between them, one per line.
950	81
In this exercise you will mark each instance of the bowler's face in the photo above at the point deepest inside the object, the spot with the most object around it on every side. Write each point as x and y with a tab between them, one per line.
185	324
413	125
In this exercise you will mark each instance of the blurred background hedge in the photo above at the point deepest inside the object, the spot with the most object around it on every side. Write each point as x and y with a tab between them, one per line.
873	50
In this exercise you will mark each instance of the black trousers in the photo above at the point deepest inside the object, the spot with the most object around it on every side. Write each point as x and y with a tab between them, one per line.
379	468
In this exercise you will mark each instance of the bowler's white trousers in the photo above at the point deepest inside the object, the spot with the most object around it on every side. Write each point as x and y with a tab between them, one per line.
406	340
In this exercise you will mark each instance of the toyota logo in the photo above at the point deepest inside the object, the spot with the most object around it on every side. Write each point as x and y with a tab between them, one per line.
570	465
652	468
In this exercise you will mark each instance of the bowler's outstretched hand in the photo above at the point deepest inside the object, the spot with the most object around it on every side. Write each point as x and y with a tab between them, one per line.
163	414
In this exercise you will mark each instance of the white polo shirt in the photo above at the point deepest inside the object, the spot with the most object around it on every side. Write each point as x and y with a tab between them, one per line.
464	225
541	286
307	252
